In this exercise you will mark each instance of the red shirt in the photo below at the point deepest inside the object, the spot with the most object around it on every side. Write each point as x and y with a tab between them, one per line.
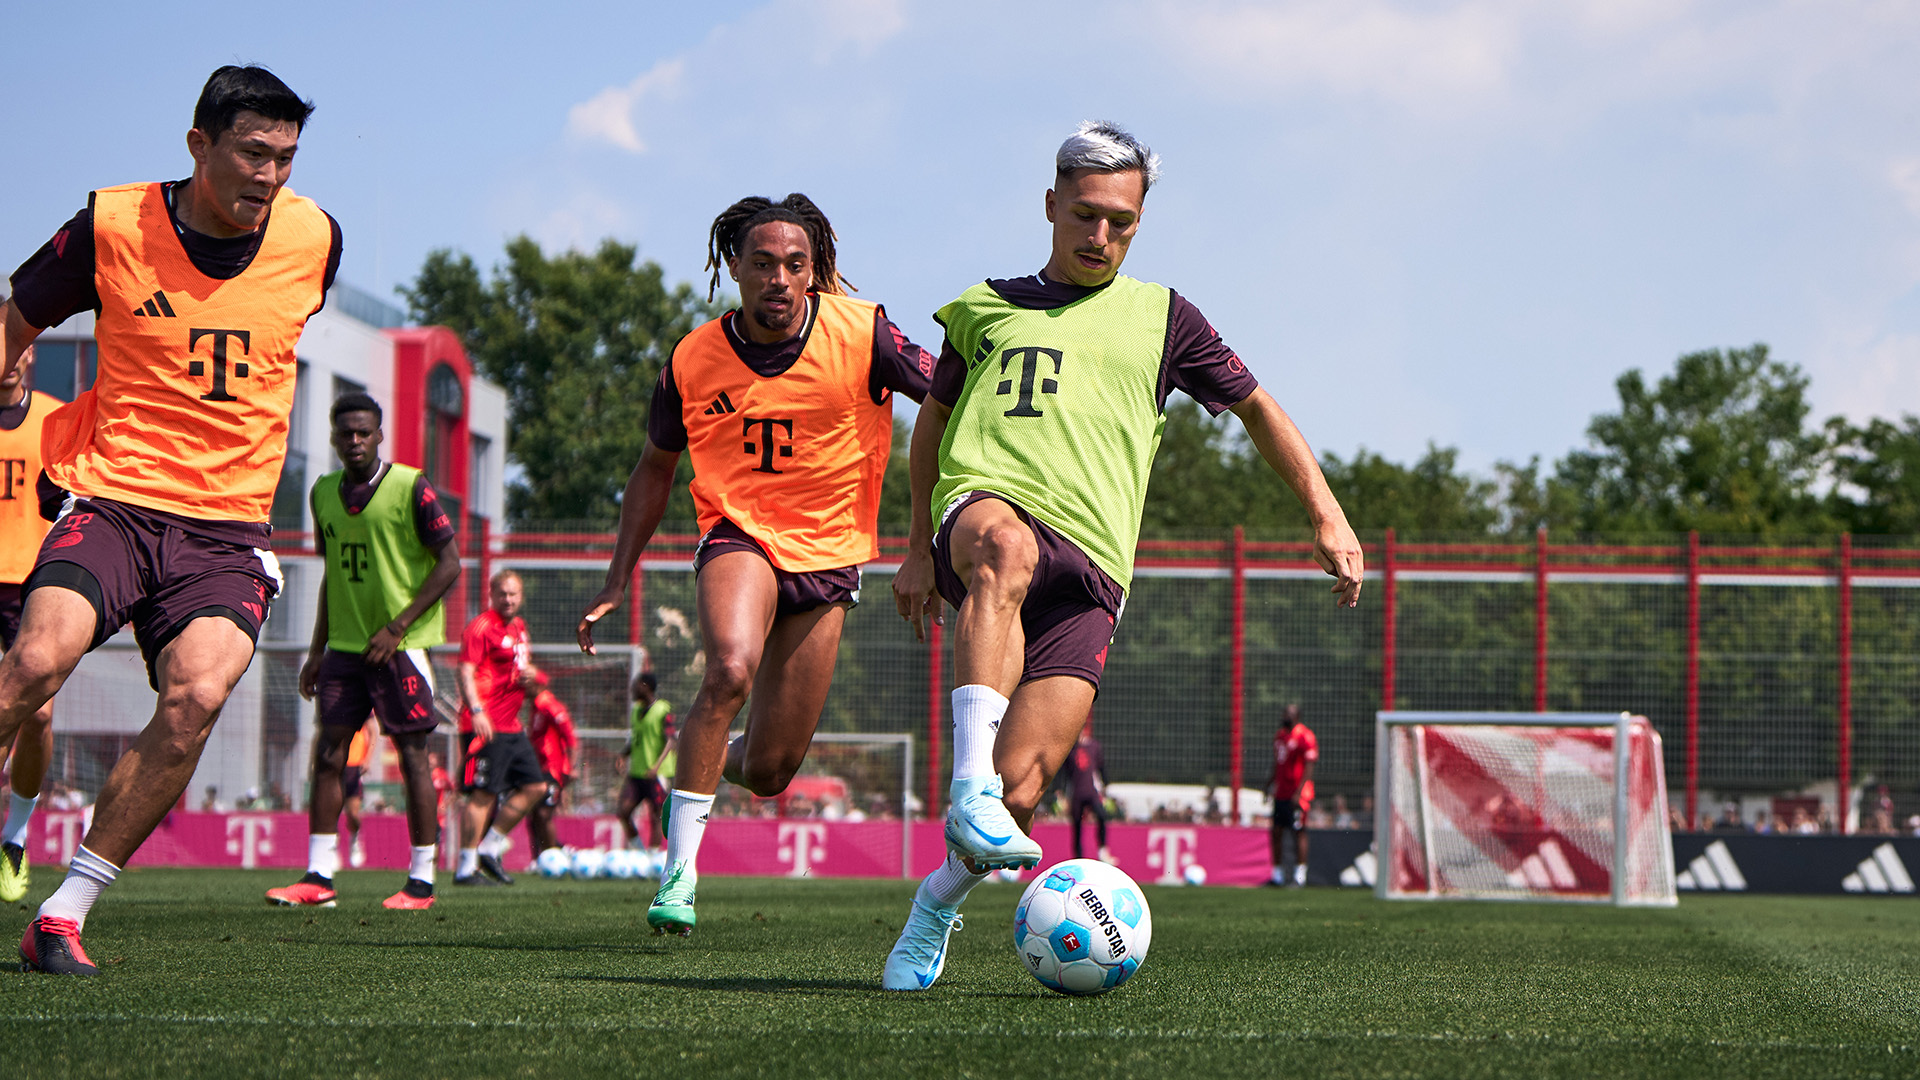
553	737
497	649
443	786
1291	752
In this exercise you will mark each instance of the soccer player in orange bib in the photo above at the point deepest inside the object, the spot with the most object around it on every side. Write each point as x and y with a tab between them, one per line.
786	407
22	414
163	472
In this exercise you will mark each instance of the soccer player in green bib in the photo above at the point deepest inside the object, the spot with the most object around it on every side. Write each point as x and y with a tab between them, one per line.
1029	466
649	761
389	555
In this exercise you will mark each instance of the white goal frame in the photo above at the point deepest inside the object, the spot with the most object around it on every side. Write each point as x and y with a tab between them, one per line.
1621	724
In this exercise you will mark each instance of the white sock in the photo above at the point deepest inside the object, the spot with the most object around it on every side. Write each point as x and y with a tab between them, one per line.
469	863
950	883
323	854
977	711
87	875
686	824
423	860
494	843
1300	873
19	814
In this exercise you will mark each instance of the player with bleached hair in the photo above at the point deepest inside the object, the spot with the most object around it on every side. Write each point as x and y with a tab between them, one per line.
1029	467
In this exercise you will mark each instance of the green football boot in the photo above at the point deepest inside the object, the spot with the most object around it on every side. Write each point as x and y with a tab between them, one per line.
14	878
672	908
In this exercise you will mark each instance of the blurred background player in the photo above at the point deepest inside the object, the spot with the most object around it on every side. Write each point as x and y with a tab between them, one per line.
1029	464
1084	775
1294	752
556	743
502	776
649	755
785	405
163	471
388	555
22	412
353	793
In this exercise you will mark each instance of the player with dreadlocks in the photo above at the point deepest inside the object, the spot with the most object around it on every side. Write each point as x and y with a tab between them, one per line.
786	406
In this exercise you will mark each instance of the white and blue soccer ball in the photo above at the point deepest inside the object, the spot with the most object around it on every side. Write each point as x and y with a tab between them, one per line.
554	863
1194	874
623	865
1082	927
589	864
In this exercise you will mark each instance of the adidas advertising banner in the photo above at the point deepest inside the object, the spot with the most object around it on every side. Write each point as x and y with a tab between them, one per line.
1704	862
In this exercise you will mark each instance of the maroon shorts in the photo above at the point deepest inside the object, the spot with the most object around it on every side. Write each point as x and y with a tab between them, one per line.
12	599
151	569
1071	608
352	784
643	789
799	592
399	692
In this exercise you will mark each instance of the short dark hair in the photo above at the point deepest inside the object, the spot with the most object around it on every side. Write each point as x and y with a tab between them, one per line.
356	402
648	680
232	90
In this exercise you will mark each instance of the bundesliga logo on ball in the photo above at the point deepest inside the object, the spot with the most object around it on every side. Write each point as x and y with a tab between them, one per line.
1082	928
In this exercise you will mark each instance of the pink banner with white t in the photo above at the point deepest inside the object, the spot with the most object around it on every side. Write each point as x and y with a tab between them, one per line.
792	847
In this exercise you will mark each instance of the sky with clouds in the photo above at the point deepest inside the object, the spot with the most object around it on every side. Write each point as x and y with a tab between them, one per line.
1456	222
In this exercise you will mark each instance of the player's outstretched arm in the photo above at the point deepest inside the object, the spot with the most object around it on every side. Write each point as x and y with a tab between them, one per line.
641	508
913	594
16	333
446	570
1335	547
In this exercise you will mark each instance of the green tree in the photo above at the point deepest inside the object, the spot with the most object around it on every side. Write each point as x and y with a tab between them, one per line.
1720	445
1878	469
577	340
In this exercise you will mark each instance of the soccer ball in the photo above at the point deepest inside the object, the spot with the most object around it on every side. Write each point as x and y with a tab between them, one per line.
1082	927
589	864
623	865
1194	874
554	863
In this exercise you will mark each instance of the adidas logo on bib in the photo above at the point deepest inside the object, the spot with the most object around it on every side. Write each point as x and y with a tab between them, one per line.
157	307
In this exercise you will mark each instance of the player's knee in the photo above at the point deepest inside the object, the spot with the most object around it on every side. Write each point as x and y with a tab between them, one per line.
194	703
728	679
1007	550
36	668
767	778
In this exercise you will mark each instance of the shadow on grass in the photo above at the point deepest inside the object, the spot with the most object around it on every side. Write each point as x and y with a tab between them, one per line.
647	948
748	985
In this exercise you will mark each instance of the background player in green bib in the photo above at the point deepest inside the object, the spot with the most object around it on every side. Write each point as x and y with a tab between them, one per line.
389	555
1029	465
649	760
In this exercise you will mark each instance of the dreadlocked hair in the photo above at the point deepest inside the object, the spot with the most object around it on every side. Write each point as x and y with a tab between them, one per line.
736	221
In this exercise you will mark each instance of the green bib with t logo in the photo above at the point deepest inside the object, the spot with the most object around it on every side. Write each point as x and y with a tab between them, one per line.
375	563
1060	411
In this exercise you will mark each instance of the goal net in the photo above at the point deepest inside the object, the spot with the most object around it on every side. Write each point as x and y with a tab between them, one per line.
1522	806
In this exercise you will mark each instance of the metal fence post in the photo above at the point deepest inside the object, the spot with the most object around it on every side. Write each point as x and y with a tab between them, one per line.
935	703
1693	679
1388	599
1846	681
1236	708
1540	621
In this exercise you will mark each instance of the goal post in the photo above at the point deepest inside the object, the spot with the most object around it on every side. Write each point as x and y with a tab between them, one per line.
1521	806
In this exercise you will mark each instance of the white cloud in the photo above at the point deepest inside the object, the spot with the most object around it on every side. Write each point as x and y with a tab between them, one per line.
609	115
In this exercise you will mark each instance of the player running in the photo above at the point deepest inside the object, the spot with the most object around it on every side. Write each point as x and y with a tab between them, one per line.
22	414
786	407
1294	752
163	472
1029	463
495	678
555	741
650	764
388	554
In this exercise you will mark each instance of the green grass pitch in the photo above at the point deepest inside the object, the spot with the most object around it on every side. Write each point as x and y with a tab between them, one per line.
561	979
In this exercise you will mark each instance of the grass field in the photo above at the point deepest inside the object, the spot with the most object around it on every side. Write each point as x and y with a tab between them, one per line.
202	978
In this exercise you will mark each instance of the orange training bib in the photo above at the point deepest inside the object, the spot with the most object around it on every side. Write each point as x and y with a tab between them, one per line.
21	526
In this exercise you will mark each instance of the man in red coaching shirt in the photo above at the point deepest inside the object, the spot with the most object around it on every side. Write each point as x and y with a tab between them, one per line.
1294	752
495	677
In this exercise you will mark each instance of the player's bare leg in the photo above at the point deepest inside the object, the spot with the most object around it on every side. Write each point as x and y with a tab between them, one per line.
738	594
324	799
789	692
995	554
26	770
423	824
1043	722
196	672
56	626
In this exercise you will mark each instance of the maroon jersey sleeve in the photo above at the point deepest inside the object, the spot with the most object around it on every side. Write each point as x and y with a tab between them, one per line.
899	365
430	520
56	282
1198	363
949	376
666	424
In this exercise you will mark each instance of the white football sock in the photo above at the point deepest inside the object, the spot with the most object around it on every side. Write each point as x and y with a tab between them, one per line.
323	854
423	860
19	816
977	711
469	863
87	876
686	824
951	881
494	843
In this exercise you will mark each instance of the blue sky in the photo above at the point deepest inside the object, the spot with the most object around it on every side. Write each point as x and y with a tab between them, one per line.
1417	221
